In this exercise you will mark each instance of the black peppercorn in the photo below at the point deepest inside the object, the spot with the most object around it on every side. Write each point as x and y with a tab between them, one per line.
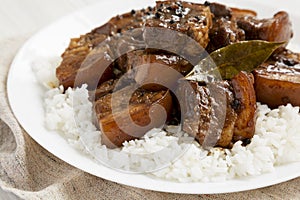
236	104
206	3
246	141
157	15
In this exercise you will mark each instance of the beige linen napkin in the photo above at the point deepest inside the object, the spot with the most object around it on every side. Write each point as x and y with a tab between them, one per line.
30	172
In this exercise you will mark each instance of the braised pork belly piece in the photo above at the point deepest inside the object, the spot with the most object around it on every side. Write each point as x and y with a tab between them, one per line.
129	50
224	112
191	19
277	82
119	125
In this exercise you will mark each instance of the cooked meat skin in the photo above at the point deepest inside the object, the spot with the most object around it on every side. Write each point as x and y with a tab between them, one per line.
277	82
139	111
244	105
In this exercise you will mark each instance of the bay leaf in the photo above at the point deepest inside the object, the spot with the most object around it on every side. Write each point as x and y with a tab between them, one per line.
230	60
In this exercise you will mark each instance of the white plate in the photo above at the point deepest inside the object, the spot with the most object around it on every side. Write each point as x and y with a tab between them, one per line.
25	97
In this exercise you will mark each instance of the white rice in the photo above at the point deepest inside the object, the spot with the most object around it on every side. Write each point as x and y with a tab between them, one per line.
43	68
275	143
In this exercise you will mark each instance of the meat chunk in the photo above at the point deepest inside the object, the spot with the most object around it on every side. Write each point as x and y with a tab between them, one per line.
155	67
286	57
277	82
224	111
80	48
128	21
103	89
219	10
244	105
141	57
190	19
230	13
276	29
232	25
74	56
120	125
224	32
84	63
212	122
